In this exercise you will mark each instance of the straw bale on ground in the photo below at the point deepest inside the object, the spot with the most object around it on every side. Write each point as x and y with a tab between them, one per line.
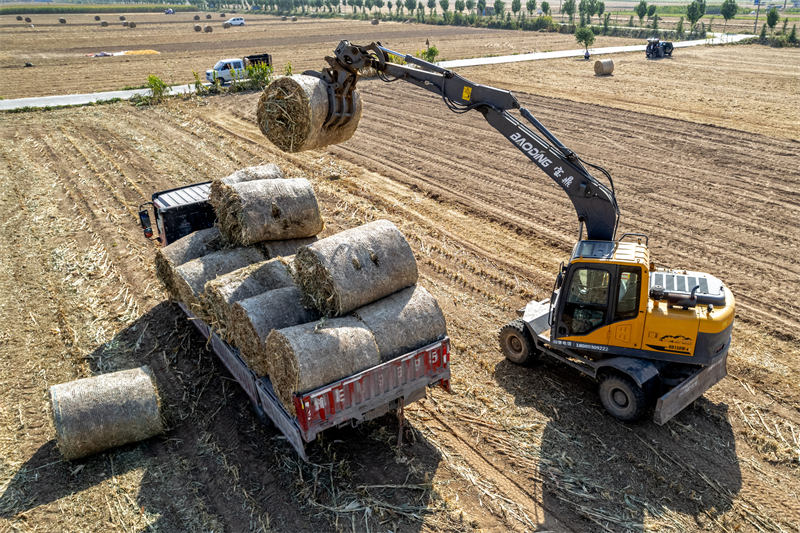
192	246
254	318
267	210
292	110
285	248
222	292
311	355
93	414
192	276
404	321
260	172
355	267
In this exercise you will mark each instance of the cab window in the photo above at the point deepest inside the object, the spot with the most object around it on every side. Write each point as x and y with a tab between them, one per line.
587	301
628	294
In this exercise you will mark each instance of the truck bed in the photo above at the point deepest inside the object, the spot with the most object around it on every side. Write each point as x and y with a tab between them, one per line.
354	399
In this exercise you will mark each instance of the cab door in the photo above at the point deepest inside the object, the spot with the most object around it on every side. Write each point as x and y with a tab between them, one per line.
627	314
583	312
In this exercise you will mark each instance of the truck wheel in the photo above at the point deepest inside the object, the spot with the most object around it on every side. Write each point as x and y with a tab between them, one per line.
516	343
622	397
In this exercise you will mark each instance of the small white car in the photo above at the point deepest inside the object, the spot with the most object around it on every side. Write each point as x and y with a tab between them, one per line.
235	21
225	70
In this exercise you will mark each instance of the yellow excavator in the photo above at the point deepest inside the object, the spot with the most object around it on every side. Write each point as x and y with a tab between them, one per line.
654	338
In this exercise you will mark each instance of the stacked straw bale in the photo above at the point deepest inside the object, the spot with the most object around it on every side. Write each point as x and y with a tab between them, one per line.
261	172
403	321
93	414
285	248
355	267
252	320
267	210
192	246
222	292
191	277
308	356
292	110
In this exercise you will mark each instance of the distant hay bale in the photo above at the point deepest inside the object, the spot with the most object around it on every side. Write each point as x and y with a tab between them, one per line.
122	17
294	19
226	25
284	248
375	22
355	267
404	321
192	276
197	17
252	320
603	67
192	246
267	210
208	16
307	356
125	24
283	18
97	17
222	292
208	29
131	24
104	23
94	414
197	27
222	15
19	18
292	110
28	20
62	21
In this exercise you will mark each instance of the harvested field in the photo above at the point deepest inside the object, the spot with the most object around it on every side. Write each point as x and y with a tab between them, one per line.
59	51
512	449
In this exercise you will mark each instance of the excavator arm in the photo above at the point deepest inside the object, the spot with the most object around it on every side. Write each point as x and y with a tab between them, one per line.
595	202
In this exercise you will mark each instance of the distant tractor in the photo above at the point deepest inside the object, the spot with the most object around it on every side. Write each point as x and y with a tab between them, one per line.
657	48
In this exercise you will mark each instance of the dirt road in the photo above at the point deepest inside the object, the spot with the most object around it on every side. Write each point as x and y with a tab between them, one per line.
512	448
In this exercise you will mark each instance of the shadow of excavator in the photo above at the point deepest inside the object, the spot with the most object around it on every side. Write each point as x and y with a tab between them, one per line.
599	474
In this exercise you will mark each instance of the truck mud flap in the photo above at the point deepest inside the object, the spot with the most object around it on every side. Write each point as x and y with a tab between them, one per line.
681	396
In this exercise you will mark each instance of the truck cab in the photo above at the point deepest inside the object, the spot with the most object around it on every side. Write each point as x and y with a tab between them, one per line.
226	70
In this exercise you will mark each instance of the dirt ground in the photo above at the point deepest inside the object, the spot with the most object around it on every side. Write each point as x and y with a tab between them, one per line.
511	449
61	66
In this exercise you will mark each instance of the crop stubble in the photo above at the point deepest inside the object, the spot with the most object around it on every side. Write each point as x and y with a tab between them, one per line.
528	442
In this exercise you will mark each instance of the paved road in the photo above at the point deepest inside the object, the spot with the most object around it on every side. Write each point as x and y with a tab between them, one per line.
83	99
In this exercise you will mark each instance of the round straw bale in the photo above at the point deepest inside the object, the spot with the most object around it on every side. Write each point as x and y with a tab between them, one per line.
191	277
355	267
131	24
603	67
224	291
197	27
226	25
192	246
27	19
122	17
294	19
93	414
19	17
285	248
208	16
375	22
292	110
197	17
62	21
311	355
208	29
267	210
252	319
104	23
221	187
404	321
97	17
283	18
125	24
222	15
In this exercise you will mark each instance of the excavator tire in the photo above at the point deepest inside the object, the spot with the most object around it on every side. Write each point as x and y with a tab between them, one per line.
623	398
516	343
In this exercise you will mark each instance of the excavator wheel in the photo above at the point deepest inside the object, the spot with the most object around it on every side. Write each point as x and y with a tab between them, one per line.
516	343
623	398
